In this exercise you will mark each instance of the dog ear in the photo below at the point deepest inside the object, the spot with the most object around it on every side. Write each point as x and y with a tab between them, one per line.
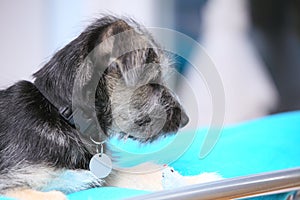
127	47
104	41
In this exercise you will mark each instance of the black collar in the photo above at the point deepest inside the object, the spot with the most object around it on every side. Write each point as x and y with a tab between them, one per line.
67	114
77	119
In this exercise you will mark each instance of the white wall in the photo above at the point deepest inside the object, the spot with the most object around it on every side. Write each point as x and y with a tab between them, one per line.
31	31
22	46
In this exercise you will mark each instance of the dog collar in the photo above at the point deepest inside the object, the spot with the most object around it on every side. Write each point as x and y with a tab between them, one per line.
78	120
67	114
75	118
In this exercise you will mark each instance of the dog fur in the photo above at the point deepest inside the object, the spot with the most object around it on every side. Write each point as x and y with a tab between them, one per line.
37	144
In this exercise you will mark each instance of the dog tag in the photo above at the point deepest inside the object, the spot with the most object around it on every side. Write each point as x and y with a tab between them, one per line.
100	165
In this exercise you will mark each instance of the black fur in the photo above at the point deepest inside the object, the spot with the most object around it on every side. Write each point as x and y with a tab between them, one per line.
34	130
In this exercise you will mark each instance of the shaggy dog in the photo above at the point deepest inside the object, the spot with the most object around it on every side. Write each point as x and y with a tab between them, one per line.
107	81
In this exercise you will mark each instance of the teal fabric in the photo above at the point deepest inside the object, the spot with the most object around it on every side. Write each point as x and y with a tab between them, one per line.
107	193
263	145
282	196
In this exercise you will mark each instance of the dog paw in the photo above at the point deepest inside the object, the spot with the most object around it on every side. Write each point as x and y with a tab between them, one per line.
36	195
172	179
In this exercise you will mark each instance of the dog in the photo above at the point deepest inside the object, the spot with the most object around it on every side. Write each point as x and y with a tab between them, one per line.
112	75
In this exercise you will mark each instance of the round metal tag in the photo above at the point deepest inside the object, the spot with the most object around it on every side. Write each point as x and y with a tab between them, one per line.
100	165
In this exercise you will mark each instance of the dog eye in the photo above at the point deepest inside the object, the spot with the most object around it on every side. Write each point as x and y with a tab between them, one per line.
172	170
151	56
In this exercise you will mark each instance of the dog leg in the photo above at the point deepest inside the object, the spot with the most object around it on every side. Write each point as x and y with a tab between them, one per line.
28	194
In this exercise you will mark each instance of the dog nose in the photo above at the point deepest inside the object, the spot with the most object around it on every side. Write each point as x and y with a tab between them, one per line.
184	119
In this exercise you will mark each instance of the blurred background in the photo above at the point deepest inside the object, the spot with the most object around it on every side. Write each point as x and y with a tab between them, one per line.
253	44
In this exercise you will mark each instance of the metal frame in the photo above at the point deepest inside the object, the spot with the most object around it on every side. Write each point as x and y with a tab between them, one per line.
241	187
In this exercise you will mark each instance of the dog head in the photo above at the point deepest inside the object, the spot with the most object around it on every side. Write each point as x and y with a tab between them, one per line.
118	70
